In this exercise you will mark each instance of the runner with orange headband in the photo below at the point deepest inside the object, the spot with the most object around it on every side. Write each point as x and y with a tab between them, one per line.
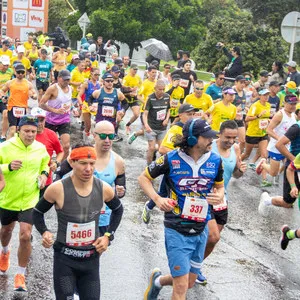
78	200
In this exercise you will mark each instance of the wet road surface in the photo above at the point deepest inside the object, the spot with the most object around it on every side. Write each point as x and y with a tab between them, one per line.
247	263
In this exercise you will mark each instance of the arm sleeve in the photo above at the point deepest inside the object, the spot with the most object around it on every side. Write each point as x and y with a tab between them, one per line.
121	181
116	214
91	100
64	169
38	215
219	178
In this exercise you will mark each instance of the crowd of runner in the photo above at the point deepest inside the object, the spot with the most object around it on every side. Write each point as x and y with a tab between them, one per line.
199	136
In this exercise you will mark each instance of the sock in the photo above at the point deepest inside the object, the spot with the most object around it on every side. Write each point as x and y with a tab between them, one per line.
157	282
151	204
268	201
128	124
21	270
291	234
5	249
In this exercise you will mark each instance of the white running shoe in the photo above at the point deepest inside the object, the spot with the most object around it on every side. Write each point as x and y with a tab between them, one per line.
263	209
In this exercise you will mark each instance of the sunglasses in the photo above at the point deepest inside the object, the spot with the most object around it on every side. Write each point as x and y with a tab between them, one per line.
96	74
109	81
103	136
247	78
20	72
199	89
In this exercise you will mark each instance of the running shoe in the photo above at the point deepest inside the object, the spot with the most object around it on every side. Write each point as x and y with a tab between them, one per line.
259	167
201	279
117	138
152	290
3	139
4	261
252	166
266	183
276	180
262	208
131	138
146	215
284	240
20	283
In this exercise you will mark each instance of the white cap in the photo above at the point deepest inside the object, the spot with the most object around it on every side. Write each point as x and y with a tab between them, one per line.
38	112
4	60
21	49
291	63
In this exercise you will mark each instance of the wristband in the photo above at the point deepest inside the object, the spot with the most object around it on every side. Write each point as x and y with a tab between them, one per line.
9	167
45	173
109	235
292	185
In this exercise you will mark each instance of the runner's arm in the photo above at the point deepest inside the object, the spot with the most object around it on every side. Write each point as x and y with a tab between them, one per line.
120	181
281	147
32	91
81	92
46	97
273	124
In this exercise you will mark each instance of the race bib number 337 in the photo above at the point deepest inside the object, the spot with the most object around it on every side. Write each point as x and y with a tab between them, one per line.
195	209
80	234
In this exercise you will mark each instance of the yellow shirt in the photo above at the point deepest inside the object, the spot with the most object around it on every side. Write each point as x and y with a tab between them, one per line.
258	127
175	97
4	77
203	103
171	135
76	76
146	89
95	64
27	45
132	81
60	61
220	113
69	57
25	62
8	53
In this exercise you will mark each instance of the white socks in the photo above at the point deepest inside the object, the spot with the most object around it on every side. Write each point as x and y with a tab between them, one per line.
5	249
21	270
157	283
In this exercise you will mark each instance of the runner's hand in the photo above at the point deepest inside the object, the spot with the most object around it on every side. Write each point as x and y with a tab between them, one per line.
101	244
47	241
120	190
165	122
42	181
53	165
60	111
243	167
215	198
148	129
294	192
164	204
16	164
92	108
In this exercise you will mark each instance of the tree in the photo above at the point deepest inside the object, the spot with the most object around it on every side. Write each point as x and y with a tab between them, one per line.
259	46
58	12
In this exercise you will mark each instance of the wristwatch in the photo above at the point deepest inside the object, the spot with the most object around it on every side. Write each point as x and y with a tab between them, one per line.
45	173
109	235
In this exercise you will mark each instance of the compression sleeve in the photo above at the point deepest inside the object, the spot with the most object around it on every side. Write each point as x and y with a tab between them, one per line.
38	215
91	100
116	214
62	170
121	180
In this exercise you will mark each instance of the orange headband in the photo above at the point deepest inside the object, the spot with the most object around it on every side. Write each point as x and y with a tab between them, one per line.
83	153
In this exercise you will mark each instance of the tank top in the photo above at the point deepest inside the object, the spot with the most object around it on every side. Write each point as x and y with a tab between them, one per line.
60	61
19	94
229	163
33	55
107	106
91	88
63	100
240	100
281	129
78	218
109	176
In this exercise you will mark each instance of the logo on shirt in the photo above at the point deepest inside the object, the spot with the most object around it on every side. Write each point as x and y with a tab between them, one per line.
175	164
210	165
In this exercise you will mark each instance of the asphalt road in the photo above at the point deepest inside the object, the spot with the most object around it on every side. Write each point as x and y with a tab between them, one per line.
247	262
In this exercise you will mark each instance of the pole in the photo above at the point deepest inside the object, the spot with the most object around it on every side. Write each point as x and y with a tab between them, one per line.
293	37
84	28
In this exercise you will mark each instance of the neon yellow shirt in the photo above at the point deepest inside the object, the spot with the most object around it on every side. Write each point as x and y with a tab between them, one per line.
220	113
25	62
8	53
203	103
258	127
27	45
76	76
171	135
146	89
69	57
4	77
95	64
175	97
132	81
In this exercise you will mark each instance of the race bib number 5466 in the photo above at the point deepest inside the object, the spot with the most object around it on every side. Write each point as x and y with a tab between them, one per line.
80	234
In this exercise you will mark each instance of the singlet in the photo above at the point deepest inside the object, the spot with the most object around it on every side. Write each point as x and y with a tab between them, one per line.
109	176
63	100
60	63
19	94
33	55
107	106
240	100
78	218
281	129
229	163
91	88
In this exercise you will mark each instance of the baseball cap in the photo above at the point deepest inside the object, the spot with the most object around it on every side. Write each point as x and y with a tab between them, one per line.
75	56
264	92
107	75
64	74
89	34
19	67
185	108
38	112
62	46
20	49
292	87
228	90
115	69
134	66
6	42
264	73
200	128
240	78
291	63
28	120
4	59
292	99
176	77
118	61
274	83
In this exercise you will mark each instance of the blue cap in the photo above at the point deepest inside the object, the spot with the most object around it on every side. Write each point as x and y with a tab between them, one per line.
107	75
200	128
28	120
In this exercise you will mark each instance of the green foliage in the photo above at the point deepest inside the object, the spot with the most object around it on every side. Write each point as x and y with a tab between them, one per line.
72	27
81	5
260	46
58	12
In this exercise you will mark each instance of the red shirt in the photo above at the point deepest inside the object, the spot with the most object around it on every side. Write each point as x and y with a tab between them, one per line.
52	143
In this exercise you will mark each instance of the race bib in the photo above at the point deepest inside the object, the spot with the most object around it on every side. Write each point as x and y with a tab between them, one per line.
174	102
221	206
184	83
108	111
195	209
198	114
161	115
19	112
43	75
67	106
263	124
80	234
